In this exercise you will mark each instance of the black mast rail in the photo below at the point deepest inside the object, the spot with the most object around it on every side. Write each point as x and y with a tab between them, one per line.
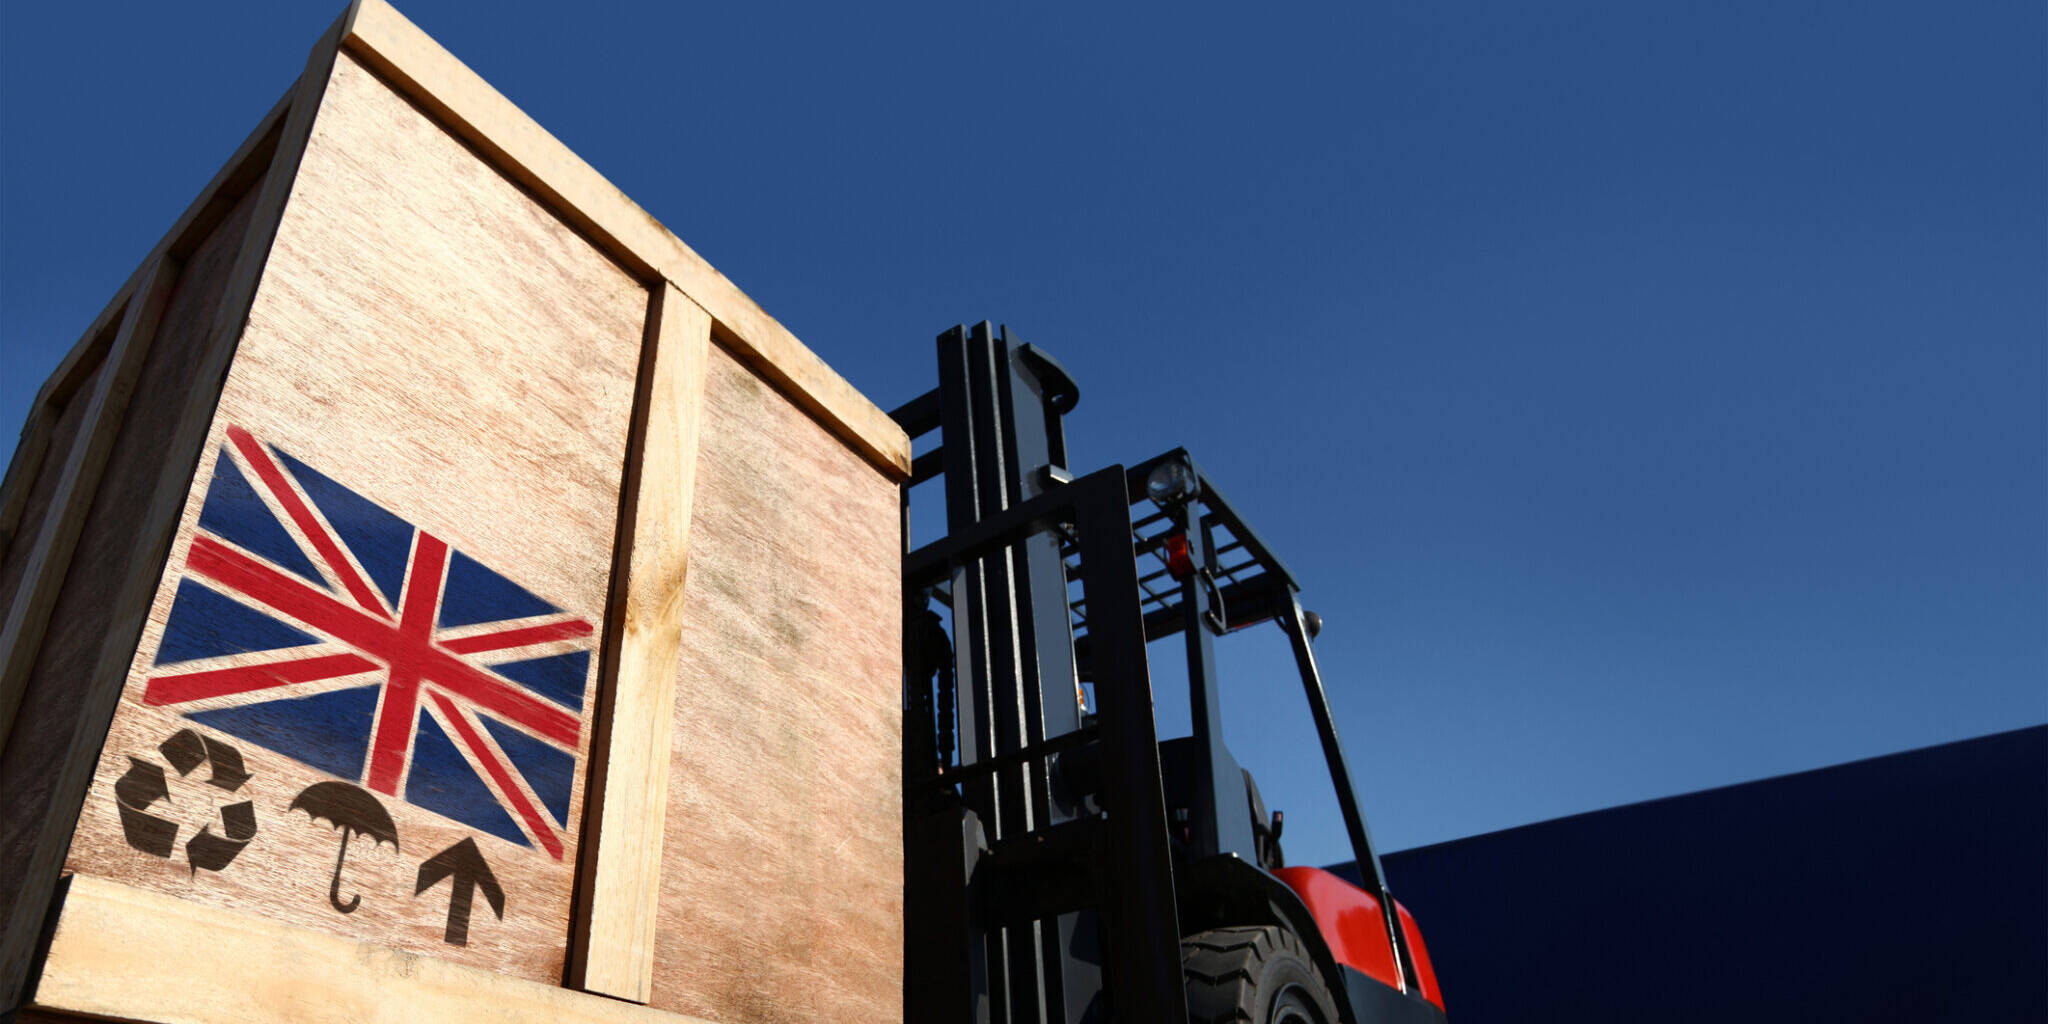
981	827
1052	872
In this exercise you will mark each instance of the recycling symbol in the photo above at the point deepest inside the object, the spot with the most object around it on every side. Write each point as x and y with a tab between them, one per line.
145	783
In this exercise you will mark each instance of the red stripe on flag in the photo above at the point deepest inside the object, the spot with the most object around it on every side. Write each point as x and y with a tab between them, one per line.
534	822
379	638
422	598
523	637
274	480
191	686
487	692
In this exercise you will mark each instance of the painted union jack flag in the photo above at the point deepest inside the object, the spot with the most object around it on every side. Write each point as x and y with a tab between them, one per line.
311	621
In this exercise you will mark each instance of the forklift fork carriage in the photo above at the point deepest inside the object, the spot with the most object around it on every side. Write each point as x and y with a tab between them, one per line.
1052	870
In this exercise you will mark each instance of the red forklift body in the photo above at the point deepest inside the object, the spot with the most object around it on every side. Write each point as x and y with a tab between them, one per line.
1350	920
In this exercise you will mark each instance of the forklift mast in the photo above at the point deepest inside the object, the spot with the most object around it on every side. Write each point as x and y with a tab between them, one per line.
1054	863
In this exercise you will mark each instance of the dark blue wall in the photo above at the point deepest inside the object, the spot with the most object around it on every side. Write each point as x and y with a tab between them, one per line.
1912	887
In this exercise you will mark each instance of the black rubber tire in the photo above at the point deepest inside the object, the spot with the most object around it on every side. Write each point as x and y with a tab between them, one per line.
1252	976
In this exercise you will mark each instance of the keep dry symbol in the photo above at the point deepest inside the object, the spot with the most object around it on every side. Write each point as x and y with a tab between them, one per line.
354	812
144	784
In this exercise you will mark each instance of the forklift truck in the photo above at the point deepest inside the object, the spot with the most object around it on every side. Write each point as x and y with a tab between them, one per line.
1061	864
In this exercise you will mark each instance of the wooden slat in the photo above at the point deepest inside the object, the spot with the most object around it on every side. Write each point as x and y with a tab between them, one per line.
234	177
28	609
48	406
42	739
615	943
22	471
129	604
91	347
128	953
206	209
524	151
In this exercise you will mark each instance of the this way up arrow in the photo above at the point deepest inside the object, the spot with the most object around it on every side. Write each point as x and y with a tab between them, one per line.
466	863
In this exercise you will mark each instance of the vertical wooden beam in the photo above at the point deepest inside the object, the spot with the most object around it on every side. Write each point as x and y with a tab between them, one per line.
49	555
100	691
621	878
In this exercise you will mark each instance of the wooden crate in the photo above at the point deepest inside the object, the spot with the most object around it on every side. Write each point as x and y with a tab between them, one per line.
352	670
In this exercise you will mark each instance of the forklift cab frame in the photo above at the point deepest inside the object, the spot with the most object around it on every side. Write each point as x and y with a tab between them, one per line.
1053	868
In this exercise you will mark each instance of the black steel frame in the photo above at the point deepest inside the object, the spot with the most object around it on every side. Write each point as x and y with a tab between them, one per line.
1040	880
1255	589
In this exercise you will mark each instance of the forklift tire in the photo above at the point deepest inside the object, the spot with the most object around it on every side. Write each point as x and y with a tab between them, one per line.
1252	976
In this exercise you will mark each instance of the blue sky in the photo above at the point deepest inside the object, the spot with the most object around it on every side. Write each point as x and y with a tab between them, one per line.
1650	395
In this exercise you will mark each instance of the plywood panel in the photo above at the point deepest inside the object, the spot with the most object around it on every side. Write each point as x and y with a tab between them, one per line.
47	556
31	763
396	48
29	470
411	480
782	863
48	437
53	427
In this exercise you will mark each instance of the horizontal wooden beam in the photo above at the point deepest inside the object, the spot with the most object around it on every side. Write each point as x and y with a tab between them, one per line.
522	150
131	954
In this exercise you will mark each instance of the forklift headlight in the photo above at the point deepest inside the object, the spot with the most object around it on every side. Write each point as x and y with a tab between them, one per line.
1171	483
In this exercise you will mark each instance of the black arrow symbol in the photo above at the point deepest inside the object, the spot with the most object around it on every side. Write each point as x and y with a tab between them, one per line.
466	863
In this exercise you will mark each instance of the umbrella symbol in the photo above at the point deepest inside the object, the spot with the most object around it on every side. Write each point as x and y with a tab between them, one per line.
354	812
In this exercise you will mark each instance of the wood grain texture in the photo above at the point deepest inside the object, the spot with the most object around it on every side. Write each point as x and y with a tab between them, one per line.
48	724
622	886
431	337
71	691
523	150
781	894
48	557
193	228
53	428
455	338
128	953
243	169
61	770
26	470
